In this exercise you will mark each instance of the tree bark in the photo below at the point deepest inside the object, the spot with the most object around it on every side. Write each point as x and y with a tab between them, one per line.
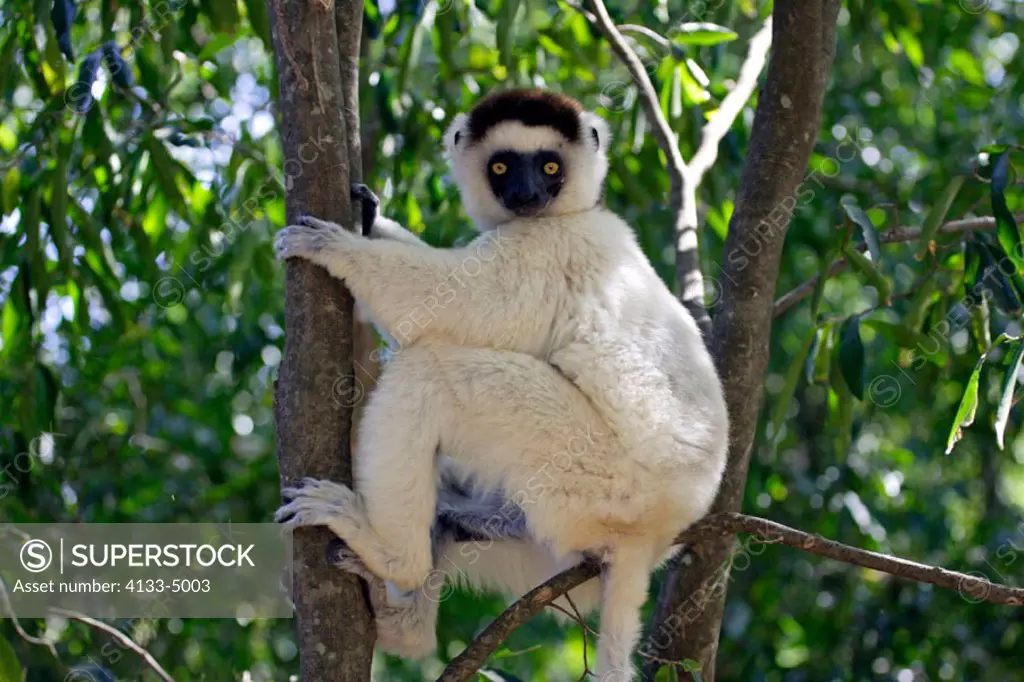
688	613
312	401
348	18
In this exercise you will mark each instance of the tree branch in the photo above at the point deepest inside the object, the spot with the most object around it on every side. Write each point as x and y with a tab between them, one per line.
125	641
465	665
685	179
662	41
724	525
721	121
786	125
649	100
682	188
895	235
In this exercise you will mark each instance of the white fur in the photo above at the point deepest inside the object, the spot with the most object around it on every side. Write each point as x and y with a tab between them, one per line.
546	359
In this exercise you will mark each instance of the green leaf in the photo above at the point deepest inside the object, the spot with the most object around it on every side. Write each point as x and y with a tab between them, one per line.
223	14
79	96
58	208
506	32
785	396
907	337
911	46
937	215
259	19
120	72
62	15
34	246
409	53
981	320
167	171
10	320
858	216
816	365
11	191
45	394
1006	401
702	33
860	263
992	278
1009	240
968	407
914	316
844	406
819	288
666	674
215	45
851	356
10	667
1006	226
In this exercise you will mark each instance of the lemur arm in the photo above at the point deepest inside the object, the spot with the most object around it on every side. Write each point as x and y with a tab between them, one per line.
374	224
409	288
386	228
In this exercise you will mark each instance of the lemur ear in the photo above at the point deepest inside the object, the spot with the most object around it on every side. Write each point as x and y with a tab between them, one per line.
595	130
455	136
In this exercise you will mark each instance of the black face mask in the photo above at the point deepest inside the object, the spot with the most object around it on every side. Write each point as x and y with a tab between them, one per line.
525	182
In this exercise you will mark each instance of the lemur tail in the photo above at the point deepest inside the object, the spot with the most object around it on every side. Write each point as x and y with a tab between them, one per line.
624	584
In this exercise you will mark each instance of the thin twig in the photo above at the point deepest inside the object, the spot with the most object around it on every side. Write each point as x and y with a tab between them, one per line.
682	188
972	588
121	637
663	134
5	607
895	235
583	635
646	32
721	121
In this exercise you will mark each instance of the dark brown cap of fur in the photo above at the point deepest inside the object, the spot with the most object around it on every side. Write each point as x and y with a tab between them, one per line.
531	108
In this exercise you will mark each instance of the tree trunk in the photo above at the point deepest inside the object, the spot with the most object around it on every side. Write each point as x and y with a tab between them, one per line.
313	42
689	610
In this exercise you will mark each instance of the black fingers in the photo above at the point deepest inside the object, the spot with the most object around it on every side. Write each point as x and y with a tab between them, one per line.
363	193
336	549
369	203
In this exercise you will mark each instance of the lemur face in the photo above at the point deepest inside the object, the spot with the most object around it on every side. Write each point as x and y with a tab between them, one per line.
527	154
526	182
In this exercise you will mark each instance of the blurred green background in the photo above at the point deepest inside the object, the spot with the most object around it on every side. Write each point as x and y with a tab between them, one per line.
141	305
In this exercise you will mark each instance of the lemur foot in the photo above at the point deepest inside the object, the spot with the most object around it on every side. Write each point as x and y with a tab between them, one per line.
341	556
310	237
369	203
315	502
405	622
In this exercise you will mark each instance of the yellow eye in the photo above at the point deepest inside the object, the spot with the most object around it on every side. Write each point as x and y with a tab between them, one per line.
498	168
551	167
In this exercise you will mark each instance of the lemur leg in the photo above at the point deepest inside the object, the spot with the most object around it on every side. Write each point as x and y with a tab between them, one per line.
487	546
508	418
406	622
480	541
466	521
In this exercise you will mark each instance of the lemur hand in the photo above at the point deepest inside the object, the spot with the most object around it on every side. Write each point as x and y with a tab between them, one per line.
369	203
311	237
